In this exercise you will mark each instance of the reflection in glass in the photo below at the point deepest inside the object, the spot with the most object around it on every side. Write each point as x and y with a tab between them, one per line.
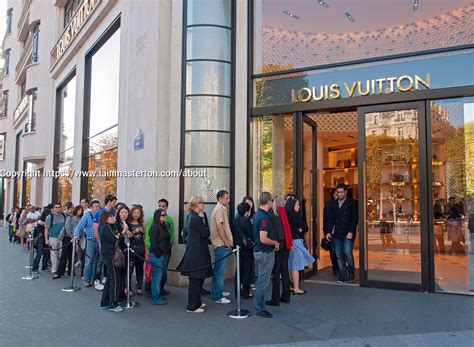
208	77
68	103
103	141
207	113
208	43
393	205
208	186
452	148
273	156
218	12
105	70
207	149
101	185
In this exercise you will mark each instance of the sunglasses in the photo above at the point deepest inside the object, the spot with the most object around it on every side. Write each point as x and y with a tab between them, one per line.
163	215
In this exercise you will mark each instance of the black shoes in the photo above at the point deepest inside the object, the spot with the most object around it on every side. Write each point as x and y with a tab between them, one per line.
286	301
205	292
341	280
265	314
271	303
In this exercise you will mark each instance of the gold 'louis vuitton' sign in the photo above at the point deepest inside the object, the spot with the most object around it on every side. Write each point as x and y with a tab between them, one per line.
386	85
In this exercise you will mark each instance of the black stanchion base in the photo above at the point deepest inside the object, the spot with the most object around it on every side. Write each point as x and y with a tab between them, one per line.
29	278
236	314
70	289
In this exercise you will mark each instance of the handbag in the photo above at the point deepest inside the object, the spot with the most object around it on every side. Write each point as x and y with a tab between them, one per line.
325	244
118	259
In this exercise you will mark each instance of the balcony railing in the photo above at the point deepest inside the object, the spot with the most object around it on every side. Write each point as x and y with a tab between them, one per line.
26	57
23	22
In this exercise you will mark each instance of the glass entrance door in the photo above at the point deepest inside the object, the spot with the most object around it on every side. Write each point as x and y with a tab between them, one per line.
308	184
393	225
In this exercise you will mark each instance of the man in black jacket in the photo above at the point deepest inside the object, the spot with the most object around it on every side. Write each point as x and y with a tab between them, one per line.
342	218
332	250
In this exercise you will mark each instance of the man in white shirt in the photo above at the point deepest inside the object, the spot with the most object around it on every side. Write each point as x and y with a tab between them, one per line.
33	216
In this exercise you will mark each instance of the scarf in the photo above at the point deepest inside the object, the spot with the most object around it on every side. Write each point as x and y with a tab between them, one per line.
286	228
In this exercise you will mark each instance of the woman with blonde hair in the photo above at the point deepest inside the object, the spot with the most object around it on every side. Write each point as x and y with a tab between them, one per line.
21	233
197	254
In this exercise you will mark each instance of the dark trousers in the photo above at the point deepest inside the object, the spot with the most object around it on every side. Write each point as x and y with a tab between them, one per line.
137	264
194	293
41	252
11	234
280	268
66	255
332	254
246	261
113	285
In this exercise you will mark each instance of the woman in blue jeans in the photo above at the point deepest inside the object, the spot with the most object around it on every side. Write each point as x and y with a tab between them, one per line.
160	251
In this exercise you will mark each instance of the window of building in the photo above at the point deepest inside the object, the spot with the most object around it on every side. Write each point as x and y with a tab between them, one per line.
400	132
30	125
9	20
3	141
4	112
70	9
35	52
376	119
399	116
64	142
22	90
6	66
101	123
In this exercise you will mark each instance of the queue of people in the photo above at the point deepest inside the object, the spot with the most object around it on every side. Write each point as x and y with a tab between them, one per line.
270	238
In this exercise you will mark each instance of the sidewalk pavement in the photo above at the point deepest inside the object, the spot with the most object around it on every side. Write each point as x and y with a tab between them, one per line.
38	313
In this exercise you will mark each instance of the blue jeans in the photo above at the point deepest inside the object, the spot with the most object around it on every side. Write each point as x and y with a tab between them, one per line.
158	268
217	287
264	262
344	255
164	278
92	252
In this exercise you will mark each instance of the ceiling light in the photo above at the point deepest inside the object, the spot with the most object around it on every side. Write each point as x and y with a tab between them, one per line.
324	4
416	3
292	15
349	16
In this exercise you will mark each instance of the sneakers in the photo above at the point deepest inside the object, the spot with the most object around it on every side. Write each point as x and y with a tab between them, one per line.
87	285
264	314
339	280
78	264
98	286
223	301
203	305
106	307
225	294
351	278
160	302
198	310
271	303
103	280
35	271
116	309
164	292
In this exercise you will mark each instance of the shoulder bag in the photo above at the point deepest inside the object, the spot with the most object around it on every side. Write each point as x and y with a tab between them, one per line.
118	259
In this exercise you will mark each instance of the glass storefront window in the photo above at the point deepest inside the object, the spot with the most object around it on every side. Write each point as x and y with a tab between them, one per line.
452	150
273	156
103	130
299	33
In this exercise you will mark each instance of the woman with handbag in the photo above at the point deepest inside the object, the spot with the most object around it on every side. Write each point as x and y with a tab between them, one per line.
114	260
197	254
121	224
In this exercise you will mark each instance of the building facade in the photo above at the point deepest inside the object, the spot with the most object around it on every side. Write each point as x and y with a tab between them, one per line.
284	96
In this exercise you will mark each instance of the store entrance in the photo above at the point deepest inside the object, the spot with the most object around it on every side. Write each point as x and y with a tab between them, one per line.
335	161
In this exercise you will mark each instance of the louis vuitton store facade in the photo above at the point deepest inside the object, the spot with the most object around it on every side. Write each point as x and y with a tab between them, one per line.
384	104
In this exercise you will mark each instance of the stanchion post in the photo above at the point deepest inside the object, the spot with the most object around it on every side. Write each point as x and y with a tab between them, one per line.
72	289
130	304
30	276
238	313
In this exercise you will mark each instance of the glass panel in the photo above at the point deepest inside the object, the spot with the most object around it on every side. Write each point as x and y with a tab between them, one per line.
299	33
104	141
442	70
208	77
209	43
452	148
105	66
309	192
65	184
28	168
66	157
208	186
207	149
68	104
207	113
273	156
393	205
210	12
99	186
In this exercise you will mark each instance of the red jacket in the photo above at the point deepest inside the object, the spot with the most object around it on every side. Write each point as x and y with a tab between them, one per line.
286	228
